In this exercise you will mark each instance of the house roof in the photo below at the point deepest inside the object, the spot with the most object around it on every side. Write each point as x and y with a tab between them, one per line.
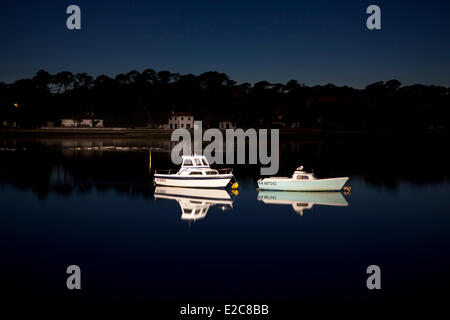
181	114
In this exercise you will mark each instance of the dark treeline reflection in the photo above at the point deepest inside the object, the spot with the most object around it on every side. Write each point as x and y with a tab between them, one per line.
146	98
65	166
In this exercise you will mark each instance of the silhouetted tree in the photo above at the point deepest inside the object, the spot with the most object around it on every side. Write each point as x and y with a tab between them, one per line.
137	98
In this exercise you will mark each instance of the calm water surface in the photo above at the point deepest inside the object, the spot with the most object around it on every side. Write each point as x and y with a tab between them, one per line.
91	202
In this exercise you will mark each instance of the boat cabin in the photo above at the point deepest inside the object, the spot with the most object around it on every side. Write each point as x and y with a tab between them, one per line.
193	209
194	162
299	174
196	166
300	206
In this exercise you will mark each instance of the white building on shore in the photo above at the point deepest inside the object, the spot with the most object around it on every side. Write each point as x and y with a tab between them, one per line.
82	123
181	120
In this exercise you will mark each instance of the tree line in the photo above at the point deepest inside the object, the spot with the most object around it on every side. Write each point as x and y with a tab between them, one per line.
147	98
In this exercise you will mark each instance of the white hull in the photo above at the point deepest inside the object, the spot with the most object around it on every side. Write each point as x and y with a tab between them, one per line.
211	195
195	203
174	180
289	184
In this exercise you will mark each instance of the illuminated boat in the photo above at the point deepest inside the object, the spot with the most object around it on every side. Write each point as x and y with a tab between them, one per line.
195	203
195	172
302	181
303	200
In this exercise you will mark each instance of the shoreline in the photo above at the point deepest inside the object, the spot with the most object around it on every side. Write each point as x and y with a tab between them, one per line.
166	133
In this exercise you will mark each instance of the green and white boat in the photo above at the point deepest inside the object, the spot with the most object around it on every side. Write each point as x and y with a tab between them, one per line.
302	181
301	201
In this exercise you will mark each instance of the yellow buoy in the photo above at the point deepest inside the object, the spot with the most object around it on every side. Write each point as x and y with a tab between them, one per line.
347	190
235	185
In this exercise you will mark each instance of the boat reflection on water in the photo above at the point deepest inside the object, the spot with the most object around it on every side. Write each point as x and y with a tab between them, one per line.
303	200
195	203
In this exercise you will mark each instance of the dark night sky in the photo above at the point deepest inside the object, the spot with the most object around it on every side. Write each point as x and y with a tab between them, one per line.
315	42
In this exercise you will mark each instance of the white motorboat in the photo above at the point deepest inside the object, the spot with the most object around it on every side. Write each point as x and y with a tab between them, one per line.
302	181
303	200
195	203
195	172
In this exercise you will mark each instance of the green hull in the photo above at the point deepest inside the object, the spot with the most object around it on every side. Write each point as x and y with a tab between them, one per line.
289	184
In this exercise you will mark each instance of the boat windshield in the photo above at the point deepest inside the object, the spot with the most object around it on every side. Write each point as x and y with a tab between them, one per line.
195	161
210	172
